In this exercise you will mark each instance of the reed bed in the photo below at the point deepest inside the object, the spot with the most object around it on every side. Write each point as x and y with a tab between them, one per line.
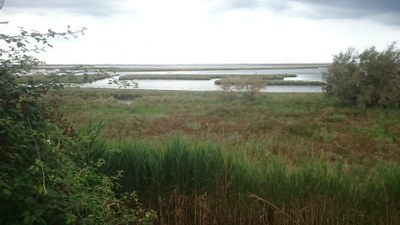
294	127
198	158
200	183
294	82
275	80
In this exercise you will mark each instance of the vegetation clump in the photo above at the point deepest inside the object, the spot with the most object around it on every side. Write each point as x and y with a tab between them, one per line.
47	175
371	78
250	86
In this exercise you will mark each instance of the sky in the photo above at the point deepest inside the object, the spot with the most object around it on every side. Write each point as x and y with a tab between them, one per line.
206	31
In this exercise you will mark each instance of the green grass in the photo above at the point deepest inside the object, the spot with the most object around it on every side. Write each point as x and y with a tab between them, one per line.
72	79
149	110
185	176
202	158
292	126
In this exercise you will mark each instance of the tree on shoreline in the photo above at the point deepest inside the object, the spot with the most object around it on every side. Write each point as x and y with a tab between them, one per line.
371	78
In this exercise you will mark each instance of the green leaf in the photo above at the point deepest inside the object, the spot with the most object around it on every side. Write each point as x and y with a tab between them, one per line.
7	192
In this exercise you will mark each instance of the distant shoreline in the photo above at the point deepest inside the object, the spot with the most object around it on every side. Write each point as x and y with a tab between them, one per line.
184	67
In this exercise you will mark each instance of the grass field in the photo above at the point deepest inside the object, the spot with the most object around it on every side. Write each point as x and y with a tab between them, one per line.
71	79
216	158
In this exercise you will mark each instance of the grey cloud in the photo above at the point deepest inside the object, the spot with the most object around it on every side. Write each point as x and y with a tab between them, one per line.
272	4
360	7
357	6
384	11
90	7
243	3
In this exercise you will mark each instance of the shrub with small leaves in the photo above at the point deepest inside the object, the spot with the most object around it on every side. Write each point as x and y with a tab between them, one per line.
249	86
47	175
371	78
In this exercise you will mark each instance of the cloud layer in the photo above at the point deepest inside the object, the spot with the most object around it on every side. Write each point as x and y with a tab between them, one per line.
208	31
88	7
376	10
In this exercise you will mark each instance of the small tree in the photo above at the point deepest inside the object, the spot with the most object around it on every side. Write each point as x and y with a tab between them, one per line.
250	86
371	78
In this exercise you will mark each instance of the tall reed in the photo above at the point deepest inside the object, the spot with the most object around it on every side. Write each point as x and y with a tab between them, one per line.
202	183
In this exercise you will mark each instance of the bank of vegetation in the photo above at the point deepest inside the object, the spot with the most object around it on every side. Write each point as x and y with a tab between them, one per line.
265	80
65	79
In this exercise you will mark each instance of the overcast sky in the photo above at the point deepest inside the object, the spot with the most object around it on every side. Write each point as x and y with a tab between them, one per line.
207	31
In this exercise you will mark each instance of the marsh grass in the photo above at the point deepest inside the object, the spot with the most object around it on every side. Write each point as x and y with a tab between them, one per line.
263	80
71	79
201	183
292	126
198	158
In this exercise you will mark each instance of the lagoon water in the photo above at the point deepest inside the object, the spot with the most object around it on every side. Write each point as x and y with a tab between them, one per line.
302	74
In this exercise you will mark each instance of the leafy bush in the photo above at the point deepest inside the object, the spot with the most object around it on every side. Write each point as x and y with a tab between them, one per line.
46	172
250	86
371	78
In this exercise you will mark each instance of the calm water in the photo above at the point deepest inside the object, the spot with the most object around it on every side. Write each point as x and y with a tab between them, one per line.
303	74
314	74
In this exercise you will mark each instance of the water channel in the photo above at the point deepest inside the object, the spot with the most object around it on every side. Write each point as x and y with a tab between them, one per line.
302	74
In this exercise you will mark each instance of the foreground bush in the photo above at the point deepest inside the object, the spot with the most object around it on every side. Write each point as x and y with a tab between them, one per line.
371	78
46	172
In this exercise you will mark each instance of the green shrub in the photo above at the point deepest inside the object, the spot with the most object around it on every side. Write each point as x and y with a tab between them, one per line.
250	86
46	173
371	78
